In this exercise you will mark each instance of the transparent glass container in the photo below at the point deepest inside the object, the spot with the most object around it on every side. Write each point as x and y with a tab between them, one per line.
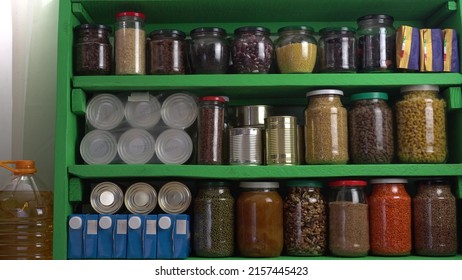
167	52
337	49
92	50
209	51
130	44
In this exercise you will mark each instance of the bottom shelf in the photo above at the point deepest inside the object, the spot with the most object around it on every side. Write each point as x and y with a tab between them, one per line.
325	258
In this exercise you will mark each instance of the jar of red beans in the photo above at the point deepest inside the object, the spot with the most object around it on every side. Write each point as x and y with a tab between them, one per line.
252	50
166	51
93	51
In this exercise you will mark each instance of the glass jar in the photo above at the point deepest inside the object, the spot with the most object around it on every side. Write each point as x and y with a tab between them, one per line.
376	43
421	125
252	50
130	44
213	220
435	222
209	51
337	49
210	130
326	128
305	219
370	128
92	50
166	52
259	213
296	49
390	217
348	218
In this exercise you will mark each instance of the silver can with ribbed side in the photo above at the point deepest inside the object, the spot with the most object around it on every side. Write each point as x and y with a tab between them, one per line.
174	197
140	198
281	140
245	146
106	198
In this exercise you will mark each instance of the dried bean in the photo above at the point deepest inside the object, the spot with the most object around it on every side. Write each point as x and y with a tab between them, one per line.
252	53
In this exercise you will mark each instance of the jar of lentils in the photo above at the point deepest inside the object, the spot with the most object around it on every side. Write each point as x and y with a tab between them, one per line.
305	219
130	44
252	50
337	49
421	125
213	220
166	52
93	51
209	51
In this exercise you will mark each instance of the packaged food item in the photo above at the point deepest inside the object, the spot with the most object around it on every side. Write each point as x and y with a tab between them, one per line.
407	48
92	49
450	51
431	50
281	140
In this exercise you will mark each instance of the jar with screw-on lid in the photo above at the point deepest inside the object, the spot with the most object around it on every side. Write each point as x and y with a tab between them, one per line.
92	50
370	128
337	49
376	43
209	51
421	125
213	220
166	52
348	218
434	218
130	44
296	49
326	128
305	219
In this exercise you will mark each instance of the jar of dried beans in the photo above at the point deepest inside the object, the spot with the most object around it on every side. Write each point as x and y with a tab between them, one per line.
348	218
435	223
390	217
305	218
93	51
213	220
166	52
326	128
252	50
370	128
337	49
130	44
259	213
296	49
209	51
421	125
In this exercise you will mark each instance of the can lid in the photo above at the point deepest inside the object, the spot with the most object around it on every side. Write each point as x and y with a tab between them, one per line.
174	197
174	146
369	95
179	110
389	181
259	185
92	26
348	183
98	147
167	33
212	98
324	92
419	88
143	114
140	198
218	30
336	30
307	28
136	146
105	111
214	184
106	198
130	14
245	29
304	183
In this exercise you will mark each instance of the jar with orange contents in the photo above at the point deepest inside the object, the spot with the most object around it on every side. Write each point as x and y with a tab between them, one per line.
259	211
390	217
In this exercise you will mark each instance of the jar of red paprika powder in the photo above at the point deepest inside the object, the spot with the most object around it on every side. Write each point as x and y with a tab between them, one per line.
390	217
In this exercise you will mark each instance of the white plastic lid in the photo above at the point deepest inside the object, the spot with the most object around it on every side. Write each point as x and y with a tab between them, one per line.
75	223
174	146
134	222
420	88
136	146
389	181
98	147
324	91
259	185
105	111
105	222
179	110
142	111
165	222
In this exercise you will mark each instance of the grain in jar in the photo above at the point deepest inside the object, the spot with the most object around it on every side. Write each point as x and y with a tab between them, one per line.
130	44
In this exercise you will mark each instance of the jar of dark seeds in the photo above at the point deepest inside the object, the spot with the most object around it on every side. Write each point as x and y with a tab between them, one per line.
213	234
434	216
166	52
92	50
252	50
305	218
337	49
130	44
209	51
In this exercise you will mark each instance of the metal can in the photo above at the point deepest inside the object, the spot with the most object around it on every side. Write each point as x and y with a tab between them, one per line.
106	198
140	198
252	115
281	140
245	146
174	197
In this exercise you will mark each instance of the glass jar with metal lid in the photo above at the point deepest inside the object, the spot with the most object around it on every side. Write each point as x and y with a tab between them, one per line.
337	49
434	218
305	219
259	220
166	49
174	197
209	51
370	128
130	44
296	49
92	50
213	220
421	125
376	43
326	128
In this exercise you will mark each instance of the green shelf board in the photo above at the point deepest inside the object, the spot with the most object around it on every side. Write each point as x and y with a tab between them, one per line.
324	258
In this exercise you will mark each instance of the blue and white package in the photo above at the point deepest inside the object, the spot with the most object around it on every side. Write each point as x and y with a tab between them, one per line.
105	237
75	232
120	237
135	236
165	224
91	237
150	237
181	237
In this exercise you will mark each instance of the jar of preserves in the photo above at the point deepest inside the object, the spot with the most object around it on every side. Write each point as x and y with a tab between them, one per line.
435	222
390	217
130	44
348	218
370	128
376	43
92	50
259	213
252	50
421	125
209	51
326	128
166	52
213	220
337	49
305	219
296	49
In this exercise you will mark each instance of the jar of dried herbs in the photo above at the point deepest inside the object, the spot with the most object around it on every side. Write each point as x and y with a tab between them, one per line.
93	51
166	49
130	44
305	219
213	234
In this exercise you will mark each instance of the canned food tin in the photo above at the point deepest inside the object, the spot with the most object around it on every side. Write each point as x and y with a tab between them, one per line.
245	146
140	198
174	198
106	198
252	115
281	140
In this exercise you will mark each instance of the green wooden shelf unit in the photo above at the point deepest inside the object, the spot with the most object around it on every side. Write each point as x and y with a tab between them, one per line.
271	89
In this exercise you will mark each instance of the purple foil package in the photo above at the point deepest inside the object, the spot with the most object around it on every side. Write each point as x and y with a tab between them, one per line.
407	48
450	51
431	50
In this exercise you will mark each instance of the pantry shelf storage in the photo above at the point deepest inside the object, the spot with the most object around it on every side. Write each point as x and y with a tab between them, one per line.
242	89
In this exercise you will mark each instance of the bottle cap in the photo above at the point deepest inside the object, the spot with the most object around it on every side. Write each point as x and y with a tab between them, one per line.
324	91
143	113
136	146
179	110
389	181
98	147
304	183
105	111
130	14
369	95
419	88
348	183
173	146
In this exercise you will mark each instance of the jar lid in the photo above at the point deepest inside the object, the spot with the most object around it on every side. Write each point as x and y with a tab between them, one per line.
259	185
244	29
214	184
324	92
419	88
167	33
348	183
335	30
369	95
378	17
304	183
92	26
430	181
389	181
199	30
297	28
130	14
212	98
